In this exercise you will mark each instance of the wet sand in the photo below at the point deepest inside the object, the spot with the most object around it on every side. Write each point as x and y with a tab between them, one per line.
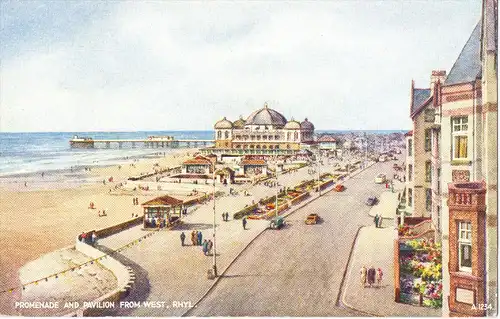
50	212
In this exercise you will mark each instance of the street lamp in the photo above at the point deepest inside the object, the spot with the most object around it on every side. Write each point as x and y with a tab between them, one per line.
318	162
277	183
214	264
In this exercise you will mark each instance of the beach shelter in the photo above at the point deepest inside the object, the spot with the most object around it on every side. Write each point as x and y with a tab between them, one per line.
162	211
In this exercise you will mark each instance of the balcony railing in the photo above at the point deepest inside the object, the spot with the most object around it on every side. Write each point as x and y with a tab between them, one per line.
466	195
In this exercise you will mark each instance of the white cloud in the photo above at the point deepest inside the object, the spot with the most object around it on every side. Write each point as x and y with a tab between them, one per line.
174	65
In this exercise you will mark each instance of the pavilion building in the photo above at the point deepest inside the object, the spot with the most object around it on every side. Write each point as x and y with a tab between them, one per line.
264	132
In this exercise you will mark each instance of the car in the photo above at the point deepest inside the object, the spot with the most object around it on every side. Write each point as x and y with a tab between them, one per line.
339	188
277	222
312	219
372	200
380	179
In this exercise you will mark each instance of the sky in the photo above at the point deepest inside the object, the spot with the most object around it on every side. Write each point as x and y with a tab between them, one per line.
172	65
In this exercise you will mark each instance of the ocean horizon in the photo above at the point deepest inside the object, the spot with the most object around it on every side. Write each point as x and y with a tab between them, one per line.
32	152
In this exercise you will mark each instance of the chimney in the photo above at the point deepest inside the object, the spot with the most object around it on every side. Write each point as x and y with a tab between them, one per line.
437	76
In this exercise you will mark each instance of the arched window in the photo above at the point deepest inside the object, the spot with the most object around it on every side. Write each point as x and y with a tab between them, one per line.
289	136
219	135
226	135
258	146
296	136
264	146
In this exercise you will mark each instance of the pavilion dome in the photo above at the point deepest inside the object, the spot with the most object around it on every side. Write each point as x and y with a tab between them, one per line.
306	125
266	116
292	125
240	123
223	124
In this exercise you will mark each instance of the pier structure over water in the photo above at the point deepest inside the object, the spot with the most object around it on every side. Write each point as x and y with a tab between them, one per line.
150	142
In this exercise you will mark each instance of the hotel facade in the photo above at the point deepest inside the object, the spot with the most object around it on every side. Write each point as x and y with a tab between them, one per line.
458	130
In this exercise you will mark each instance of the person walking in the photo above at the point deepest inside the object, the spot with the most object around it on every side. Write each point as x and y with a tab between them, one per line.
193	238
363	272
375	220
244	221
380	220
227	216
224	216
210	245
200	238
205	247
371	276
183	237
379	276
94	238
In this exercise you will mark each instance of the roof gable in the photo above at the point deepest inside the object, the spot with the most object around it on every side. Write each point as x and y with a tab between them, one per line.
419	98
467	67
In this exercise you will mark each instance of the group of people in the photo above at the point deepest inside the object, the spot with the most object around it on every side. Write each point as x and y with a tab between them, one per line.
207	247
370	276
270	183
378	220
88	239
135	200
196	238
225	216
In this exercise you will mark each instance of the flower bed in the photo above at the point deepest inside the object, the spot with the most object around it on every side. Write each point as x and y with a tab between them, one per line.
245	211
421	273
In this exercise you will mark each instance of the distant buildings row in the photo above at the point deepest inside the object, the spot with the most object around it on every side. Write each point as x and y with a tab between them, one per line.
452	168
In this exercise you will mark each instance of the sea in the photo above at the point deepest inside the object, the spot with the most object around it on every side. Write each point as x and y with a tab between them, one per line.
28	153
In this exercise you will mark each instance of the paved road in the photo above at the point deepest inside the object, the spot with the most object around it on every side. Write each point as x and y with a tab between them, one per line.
297	271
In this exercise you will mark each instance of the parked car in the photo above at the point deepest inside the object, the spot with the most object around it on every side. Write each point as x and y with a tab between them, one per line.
372	200
339	188
312	219
380	179
277	222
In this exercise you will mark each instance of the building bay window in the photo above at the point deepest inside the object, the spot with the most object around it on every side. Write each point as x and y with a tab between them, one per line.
427	142
465	246
428	171
410	197
428	199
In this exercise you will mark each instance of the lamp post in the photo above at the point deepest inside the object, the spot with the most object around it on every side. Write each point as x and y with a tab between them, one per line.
214	264
277	183
318	161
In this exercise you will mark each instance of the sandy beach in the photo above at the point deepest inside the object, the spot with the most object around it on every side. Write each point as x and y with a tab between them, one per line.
48	213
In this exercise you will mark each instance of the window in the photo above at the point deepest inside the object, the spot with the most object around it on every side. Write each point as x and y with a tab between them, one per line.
439	180
410	197
427	145
410	172
226	135
428	199
459	134
219	135
465	246
439	218
428	171
410	147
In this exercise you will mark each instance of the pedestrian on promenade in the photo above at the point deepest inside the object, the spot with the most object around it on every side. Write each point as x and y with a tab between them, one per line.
227	216
375	220
194	238
183	237
371	276
200	237
244	221
205	247
94	238
380	220
210	245
363	272
224	216
379	276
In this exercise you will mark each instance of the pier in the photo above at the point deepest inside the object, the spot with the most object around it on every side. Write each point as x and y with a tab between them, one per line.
150	142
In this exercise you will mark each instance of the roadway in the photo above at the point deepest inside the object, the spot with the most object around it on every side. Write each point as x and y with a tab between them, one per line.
297	271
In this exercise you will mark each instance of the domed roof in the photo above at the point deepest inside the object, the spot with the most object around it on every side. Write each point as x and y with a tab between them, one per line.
224	124
240	123
306	125
266	116
292	125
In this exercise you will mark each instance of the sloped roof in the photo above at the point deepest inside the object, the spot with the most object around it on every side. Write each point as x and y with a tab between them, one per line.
253	162
266	116
163	200
326	138
419	97
409	133
467	67
197	161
